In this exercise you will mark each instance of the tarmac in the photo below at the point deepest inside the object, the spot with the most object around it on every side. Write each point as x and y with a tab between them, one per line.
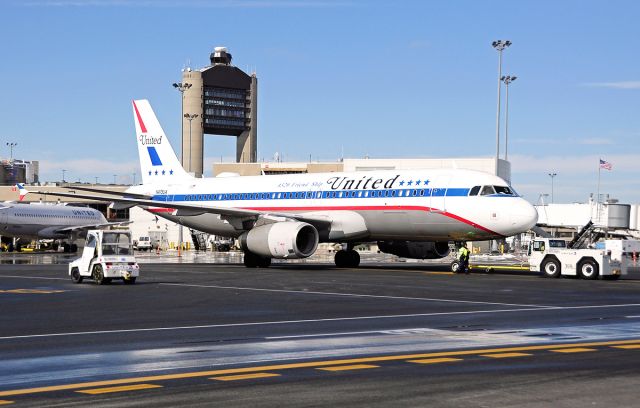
202	330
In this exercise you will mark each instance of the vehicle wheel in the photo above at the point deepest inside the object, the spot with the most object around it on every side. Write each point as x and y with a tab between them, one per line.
354	259
130	281
75	276
73	248
18	248
588	269
98	275
341	259
455	266
10	249
551	268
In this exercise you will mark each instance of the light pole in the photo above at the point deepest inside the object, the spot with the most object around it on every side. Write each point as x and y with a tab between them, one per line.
190	118
499	45
552	175
181	87
114	178
507	80
96	180
11	146
63	171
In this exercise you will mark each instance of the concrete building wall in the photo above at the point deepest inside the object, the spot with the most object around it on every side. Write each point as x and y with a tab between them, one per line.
247	142
192	131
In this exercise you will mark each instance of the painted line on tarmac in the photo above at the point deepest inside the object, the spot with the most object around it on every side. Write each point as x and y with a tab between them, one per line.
33	277
311	364
305	292
124	388
336	319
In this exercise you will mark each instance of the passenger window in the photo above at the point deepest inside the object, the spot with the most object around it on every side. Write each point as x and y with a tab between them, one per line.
487	190
474	190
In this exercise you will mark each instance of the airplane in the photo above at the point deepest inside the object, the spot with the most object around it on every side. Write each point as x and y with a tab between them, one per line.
409	213
47	221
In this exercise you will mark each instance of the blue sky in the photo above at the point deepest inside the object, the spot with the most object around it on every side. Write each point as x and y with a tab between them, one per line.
379	78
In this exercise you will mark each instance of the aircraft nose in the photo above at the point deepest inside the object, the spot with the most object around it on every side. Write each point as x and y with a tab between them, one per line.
523	217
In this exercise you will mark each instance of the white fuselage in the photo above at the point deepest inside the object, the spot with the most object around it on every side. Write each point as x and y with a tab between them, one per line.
412	205
45	221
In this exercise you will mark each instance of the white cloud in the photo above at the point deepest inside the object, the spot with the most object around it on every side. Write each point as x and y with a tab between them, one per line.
616	85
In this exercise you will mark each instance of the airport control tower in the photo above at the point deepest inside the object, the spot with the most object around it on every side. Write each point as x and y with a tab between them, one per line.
221	100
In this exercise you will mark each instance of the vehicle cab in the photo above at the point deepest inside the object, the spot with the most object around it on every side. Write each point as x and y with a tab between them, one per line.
107	255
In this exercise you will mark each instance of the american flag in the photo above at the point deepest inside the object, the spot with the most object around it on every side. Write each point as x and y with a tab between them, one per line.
605	165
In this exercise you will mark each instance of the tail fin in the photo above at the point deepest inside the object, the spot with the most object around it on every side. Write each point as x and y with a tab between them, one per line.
158	160
22	191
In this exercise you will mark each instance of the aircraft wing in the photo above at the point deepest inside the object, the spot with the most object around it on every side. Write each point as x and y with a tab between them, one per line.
90	226
188	210
116	193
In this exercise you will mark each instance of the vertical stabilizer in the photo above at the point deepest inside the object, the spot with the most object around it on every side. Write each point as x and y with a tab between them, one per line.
158	160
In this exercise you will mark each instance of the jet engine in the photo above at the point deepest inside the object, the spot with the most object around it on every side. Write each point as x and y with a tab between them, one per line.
285	239
415	249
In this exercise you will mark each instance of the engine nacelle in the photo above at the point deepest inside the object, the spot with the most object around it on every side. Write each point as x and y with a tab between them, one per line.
415	249
286	239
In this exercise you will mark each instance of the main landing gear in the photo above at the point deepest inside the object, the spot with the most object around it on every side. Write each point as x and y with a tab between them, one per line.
252	260
348	258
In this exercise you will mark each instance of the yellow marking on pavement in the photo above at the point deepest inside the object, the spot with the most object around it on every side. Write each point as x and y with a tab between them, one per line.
312	364
349	367
30	291
505	355
439	273
245	376
123	388
628	346
434	360
4	402
573	350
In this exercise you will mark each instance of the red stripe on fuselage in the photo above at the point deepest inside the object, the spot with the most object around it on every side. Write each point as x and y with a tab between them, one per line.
378	208
143	128
161	210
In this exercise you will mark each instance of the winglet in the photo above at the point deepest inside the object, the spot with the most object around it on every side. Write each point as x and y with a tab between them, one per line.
22	191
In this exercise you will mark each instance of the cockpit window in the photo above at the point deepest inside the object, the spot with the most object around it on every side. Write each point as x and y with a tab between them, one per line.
474	191
487	190
504	190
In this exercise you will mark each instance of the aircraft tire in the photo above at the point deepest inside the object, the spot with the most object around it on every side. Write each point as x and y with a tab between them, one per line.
75	276
354	259
65	248
264	262
250	260
73	248
341	259
98	275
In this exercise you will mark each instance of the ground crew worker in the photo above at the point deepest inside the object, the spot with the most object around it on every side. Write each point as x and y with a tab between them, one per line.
463	254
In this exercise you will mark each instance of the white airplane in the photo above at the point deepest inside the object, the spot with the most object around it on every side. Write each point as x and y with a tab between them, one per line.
47	221
410	213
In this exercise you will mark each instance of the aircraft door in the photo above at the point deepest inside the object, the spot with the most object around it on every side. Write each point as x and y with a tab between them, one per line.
438	194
